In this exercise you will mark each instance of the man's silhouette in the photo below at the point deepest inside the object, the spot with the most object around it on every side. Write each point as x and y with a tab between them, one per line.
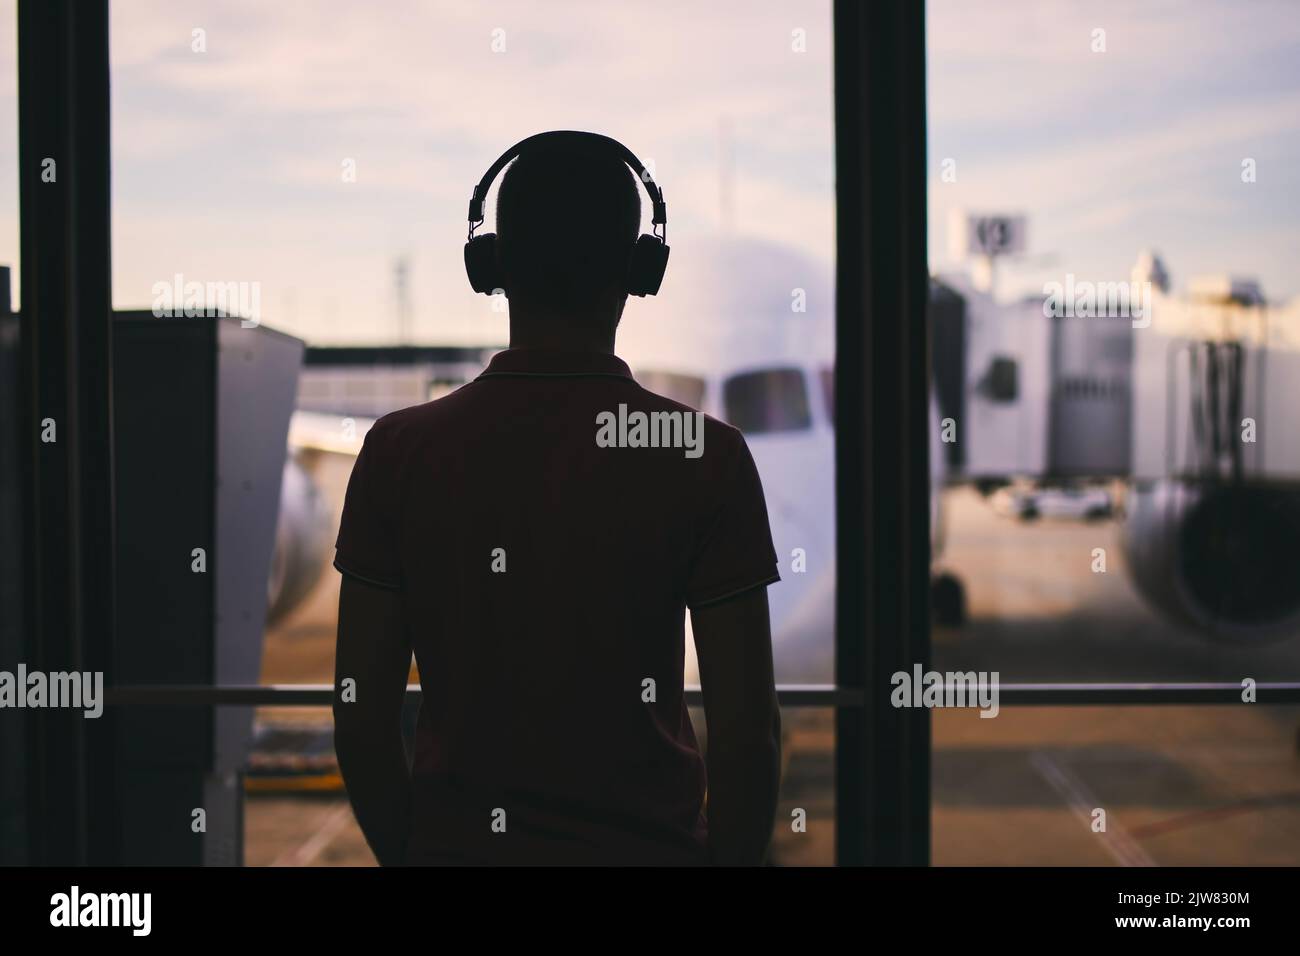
540	572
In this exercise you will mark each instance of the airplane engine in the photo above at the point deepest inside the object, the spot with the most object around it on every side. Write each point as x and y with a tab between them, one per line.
302	541
1220	557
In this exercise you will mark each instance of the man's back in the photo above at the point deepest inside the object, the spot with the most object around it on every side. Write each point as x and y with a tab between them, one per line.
544	577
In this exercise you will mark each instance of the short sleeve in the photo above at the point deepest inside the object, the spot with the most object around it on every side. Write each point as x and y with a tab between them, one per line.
367	545
734	551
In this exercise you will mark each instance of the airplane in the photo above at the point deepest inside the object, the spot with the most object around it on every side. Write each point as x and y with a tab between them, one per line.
744	330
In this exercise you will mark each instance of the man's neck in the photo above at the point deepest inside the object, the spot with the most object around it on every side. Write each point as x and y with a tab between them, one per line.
559	334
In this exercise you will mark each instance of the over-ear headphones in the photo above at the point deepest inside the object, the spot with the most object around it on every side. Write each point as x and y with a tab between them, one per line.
649	258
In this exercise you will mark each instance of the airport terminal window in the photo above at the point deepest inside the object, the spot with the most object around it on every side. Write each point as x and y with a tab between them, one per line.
1103	566
1115	266
1111	321
340	217
774	400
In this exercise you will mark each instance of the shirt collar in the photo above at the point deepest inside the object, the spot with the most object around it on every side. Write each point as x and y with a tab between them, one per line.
555	362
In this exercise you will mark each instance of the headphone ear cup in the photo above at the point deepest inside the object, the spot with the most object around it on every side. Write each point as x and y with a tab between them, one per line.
481	263
646	269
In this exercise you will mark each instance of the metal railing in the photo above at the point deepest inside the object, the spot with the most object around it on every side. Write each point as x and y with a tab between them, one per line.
789	695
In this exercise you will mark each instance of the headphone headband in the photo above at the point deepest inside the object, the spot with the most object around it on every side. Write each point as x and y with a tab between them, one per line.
659	217
647	259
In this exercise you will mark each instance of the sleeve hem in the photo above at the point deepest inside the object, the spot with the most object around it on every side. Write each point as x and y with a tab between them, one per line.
364	578
734	592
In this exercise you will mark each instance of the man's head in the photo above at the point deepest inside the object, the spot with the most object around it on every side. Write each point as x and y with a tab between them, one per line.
568	216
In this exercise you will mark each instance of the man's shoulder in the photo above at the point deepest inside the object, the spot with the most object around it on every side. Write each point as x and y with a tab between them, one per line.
717	433
407	424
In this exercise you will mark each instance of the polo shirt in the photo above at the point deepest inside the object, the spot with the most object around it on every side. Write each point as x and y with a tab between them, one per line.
546	551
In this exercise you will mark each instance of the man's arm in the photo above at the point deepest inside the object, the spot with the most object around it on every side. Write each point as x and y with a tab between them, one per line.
733	642
373	651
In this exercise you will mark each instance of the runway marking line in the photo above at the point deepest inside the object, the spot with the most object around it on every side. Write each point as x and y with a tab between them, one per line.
1117	841
314	845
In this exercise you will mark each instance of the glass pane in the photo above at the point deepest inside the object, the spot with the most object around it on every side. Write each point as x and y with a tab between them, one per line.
321	160
1113	208
1113	213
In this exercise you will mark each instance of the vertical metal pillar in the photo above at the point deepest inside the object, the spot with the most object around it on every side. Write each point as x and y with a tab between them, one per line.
66	396
881	460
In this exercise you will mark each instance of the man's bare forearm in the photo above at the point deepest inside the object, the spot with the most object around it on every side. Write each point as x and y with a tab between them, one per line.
744	783
378	780
371	666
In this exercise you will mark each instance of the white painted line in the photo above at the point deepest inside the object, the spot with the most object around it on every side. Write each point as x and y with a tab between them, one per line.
318	841
1119	843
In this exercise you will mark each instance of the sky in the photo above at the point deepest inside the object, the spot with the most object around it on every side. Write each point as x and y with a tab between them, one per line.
1138	146
228	161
